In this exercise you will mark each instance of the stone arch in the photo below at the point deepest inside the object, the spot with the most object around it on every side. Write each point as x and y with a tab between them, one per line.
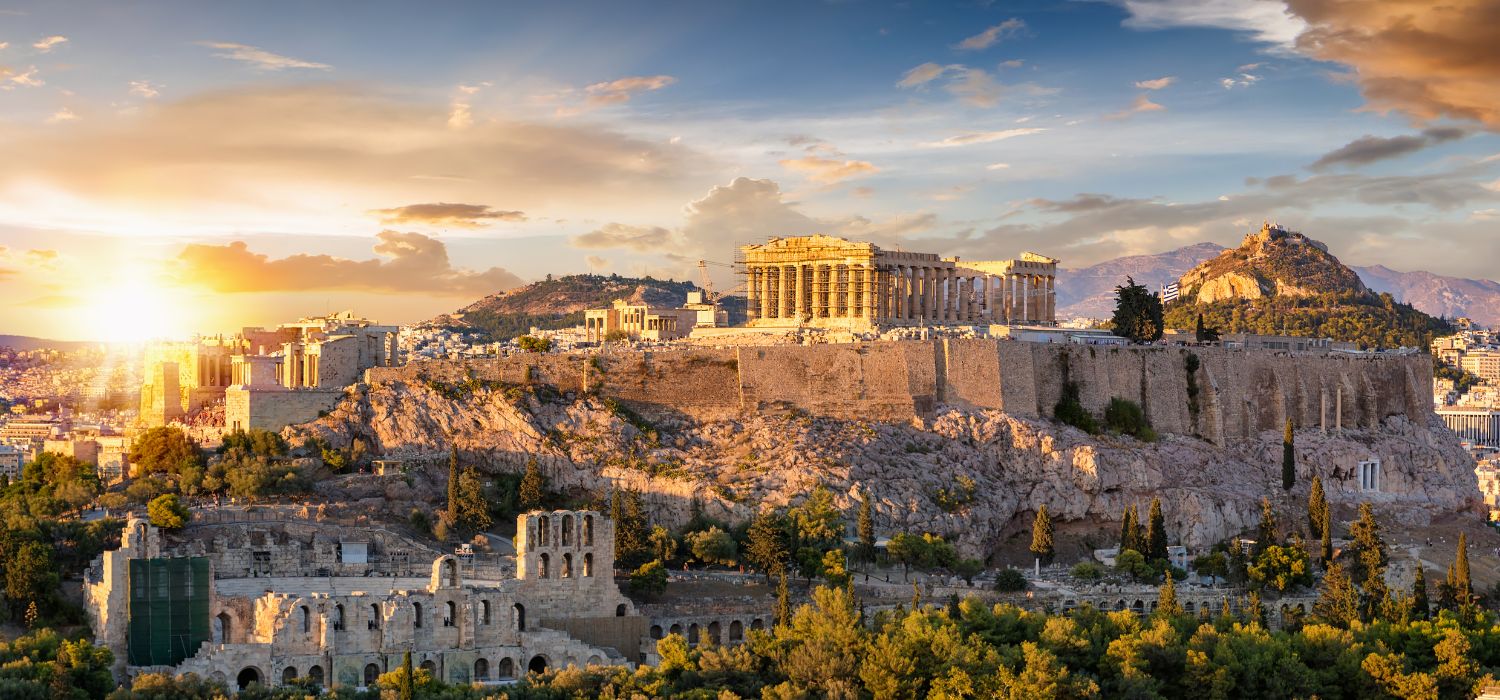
506	668
736	631
567	565
372	672
288	675
1138	607
1189	607
306	619
714	630
374	616
247	677
545	561
315	674
481	669
484	612
416	614
538	664
620	610
676	628
520	617
544	532
445	573
594	661
588	564
223	628
692	637
656	632
757	624
338	617
430	667
1120	604
1301	608
567	530
451	618
588	531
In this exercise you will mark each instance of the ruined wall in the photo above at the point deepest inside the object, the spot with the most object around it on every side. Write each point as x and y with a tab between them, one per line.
273	409
1226	393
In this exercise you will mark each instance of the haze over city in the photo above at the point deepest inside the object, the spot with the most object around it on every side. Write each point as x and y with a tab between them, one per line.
176	167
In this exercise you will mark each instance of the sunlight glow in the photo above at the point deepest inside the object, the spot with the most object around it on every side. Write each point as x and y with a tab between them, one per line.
131	310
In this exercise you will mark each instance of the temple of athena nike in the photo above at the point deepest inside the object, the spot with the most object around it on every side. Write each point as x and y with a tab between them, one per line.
830	282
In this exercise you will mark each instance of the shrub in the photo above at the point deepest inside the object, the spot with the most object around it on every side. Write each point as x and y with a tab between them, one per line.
650	580
1125	417
1087	571
167	512
1010	581
531	343
1070	410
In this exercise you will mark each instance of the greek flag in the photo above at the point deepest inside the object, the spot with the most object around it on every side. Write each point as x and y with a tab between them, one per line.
1169	293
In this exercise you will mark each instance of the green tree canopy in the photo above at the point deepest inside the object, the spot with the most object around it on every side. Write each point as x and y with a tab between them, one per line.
1138	313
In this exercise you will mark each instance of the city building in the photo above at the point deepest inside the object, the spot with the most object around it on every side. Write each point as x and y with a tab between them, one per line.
254	610
830	282
1477	426
639	322
1483	363
1290	343
12	461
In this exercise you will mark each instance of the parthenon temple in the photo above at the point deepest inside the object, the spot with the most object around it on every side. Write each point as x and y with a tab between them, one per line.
831	282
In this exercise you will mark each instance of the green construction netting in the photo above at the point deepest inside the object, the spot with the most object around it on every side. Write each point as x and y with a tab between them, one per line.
168	610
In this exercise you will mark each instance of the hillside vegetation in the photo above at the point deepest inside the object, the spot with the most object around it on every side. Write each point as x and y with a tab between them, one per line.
559	302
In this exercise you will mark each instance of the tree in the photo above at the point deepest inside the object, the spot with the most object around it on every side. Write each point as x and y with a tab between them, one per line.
1130	527
1156	534
865	527
783	600
1325	544
1463	587
453	483
1138	313
1338	603
766	546
1281	567
408	680
1370	559
1166	599
165	449
650	580
1041	535
1317	503
30	576
168	512
1198	329
531	343
1266	533
817	522
1420	606
473	509
1010	580
1255	611
713	546
533	486
835	572
663	547
1288	459
1205	334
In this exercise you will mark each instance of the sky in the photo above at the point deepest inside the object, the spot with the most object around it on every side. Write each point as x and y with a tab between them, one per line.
169	168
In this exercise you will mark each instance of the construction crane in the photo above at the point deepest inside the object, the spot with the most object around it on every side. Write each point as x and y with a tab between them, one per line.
708	282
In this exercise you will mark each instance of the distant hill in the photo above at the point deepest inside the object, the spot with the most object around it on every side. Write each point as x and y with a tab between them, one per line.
1283	282
1449	297
1089	292
559	302
26	342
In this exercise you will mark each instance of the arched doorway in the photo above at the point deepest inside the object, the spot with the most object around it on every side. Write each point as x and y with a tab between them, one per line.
315	674
248	677
481	669
506	668
538	664
430	667
736	631
288	675
520	617
372	672
676	629
656	632
620	610
221	628
692	637
713	633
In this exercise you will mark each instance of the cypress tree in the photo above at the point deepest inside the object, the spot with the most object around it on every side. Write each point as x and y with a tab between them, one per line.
1325	544
765	545
1198	331
1265	533
408	684
783	601
1420	605
453	483
866	527
1317	502
1255	612
1338	603
532	486
1370	561
1463	588
1130	530
1041	535
1288	459
1238	566
1166	599
1156	535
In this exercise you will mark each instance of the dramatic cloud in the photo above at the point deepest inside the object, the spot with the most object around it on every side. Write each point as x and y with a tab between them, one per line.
446	214
408	263
144	88
260	58
829	170
1156	84
51	42
1141	104
982	137
644	239
1424	59
989	37
1368	149
617	91
1265	20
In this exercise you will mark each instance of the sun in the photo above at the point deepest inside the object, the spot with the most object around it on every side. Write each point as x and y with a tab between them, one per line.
130	310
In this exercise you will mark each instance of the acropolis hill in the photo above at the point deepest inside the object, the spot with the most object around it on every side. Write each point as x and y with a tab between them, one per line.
950	435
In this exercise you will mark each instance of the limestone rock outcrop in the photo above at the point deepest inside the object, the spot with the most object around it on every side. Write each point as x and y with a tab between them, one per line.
962	472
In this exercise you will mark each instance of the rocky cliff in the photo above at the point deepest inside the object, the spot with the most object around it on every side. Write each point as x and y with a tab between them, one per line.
967	473
1270	262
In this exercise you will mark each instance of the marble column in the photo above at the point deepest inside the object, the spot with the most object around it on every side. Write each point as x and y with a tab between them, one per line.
852	294
909	292
752	293
1026	302
1051	316
784	291
800	285
870	274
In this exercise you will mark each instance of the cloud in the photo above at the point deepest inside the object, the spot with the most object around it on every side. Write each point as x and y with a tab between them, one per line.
596	263
621	90
1242	80
982	137
1423	60
1157	83
1266	21
976	87
44	258
4	45
1141	105
407	263
644	239
994	35
62	115
26	79
306	146
446	214
1369	149
997	166
921	75
259	58
144	88
46	45
829	170
1012	63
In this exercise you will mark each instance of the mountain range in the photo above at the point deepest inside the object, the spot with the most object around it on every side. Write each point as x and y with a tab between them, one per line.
1088	292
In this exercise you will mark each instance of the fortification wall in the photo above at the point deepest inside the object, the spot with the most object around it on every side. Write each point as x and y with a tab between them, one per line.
1213	392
